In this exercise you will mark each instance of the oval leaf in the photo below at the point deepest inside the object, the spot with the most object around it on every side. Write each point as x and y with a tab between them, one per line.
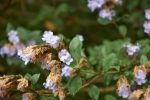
9	27
103	21
75	50
35	78
143	60
110	97
74	85
94	92
123	29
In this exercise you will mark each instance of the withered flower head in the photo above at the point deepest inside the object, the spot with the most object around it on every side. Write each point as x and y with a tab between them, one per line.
48	61
140	74
147	94
35	52
123	87
83	62
29	96
54	78
136	95
148	66
8	85
61	93
24	84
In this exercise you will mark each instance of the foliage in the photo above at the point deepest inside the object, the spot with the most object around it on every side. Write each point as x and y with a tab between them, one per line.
99	62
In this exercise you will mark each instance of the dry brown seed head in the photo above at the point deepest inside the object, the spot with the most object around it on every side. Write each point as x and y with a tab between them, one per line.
61	93
55	63
147	66
7	85
83	62
24	85
147	93
136	95
61	46
55	74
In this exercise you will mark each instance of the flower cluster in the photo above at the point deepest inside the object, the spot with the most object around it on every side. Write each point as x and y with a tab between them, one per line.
53	40
65	57
66	71
15	45
132	50
54	57
123	87
13	38
140	74
105	7
10	83
146	24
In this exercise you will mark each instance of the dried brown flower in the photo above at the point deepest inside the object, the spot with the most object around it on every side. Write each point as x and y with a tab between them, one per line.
147	93
61	93
7	85
83	62
136	95
24	85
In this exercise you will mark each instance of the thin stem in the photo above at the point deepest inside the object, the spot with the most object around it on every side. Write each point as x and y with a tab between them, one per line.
92	72
115	24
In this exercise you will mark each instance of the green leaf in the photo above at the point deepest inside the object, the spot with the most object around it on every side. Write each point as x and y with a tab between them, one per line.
39	97
94	92
89	75
74	85
123	29
108	78
35	78
9	27
103	21
145	49
143	60
110	97
75	51
52	98
22	33
28	76
116	76
115	67
35	35
109	61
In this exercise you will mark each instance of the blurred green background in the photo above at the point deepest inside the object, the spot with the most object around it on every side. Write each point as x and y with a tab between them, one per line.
69	18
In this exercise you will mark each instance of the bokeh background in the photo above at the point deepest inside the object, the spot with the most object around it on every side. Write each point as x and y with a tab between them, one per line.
67	18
